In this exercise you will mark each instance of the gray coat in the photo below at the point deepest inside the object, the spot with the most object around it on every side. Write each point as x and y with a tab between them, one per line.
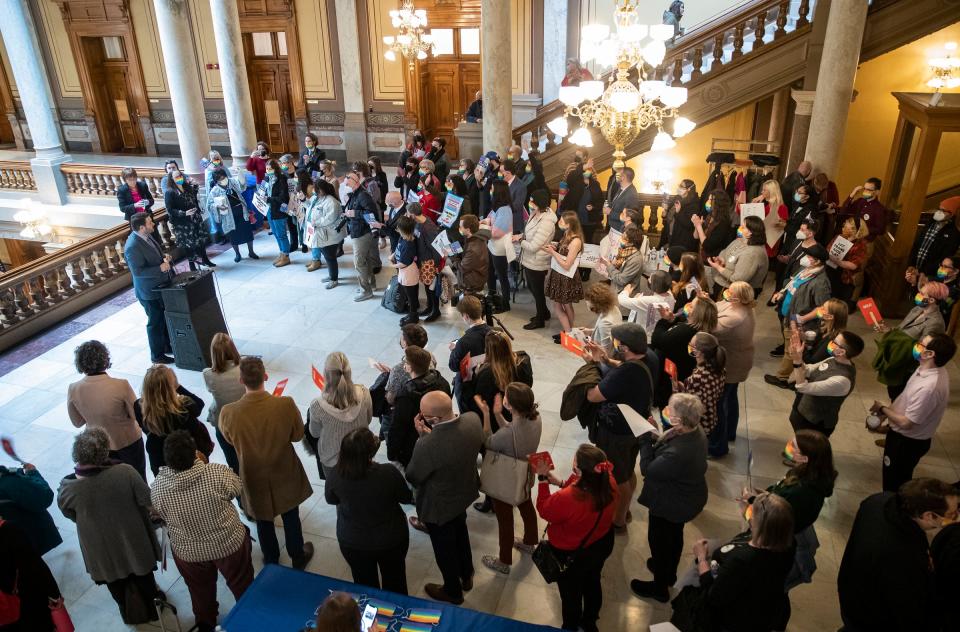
921	322
443	469
113	526
809	296
674	475
742	262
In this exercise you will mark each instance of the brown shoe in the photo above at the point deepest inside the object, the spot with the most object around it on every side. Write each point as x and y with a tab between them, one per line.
282	260
314	265
416	524
300	562
436	592
880	443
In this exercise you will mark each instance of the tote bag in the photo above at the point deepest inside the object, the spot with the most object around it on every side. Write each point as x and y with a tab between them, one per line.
505	478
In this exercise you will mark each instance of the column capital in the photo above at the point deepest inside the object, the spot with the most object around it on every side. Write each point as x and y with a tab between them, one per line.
804	100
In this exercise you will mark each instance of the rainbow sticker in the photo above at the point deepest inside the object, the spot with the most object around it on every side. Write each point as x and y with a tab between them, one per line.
748	513
383	608
424	615
790	452
412	626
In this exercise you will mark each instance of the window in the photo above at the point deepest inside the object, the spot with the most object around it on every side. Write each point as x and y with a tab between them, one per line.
263	45
113	47
469	41
442	41
282	44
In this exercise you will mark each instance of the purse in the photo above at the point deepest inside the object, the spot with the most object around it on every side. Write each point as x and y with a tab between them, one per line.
552	563
505	478
60	616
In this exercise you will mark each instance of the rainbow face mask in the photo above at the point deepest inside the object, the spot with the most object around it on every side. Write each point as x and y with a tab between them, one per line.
942	273
831	348
726	295
748	513
820	313
790	451
740	232
918	350
919	299
691	351
686	310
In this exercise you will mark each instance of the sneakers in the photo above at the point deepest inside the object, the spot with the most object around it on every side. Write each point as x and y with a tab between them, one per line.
363	296
650	590
493	563
313	266
300	563
331	284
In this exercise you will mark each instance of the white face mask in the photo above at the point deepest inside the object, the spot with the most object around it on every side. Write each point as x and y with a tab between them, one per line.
801	235
223	182
805	261
939	216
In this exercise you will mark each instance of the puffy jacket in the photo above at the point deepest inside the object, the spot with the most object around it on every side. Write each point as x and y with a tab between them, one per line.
475	263
537	233
402	435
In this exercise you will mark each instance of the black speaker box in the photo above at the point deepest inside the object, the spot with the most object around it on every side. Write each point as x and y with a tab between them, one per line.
193	318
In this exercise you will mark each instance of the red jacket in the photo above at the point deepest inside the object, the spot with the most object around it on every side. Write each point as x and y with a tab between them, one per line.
571	515
257	166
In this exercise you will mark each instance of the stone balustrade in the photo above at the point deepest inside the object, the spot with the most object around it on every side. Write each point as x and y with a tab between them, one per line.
17	175
100	180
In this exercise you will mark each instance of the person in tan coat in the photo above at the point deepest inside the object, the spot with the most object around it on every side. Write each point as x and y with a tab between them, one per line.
263	429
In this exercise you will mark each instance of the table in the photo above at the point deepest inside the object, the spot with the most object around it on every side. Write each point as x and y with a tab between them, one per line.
282	599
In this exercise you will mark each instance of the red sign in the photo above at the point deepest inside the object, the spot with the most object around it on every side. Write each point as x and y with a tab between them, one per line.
571	344
869	310
465	368
7	444
539	458
278	389
317	377
670	368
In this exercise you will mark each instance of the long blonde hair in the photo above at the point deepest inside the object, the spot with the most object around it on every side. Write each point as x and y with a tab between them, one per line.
159	400
774	196
338	388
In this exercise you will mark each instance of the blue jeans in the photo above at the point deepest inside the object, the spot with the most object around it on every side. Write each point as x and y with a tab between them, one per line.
728	416
279	228
330	255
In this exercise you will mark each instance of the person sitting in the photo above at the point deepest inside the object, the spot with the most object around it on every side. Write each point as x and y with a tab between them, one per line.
626	268
339	612
206	535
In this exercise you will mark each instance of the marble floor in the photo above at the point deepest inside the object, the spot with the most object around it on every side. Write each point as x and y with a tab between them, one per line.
285	316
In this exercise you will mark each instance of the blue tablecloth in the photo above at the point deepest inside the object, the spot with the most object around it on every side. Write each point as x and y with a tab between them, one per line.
284	600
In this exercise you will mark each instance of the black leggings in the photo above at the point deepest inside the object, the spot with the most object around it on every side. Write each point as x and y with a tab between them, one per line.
536	279
499	270
581	594
412	292
330	256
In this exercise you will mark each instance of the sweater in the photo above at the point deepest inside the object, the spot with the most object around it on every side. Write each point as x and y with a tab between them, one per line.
225	388
330	425
369	516
734	332
674	470
742	262
196	505
570	514
113	525
101	401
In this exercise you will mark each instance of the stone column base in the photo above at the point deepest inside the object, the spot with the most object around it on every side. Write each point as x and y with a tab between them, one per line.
355	135
51	185
469	139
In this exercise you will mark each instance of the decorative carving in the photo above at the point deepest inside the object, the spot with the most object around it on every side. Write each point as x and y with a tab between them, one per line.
714	94
385	119
327	118
86	11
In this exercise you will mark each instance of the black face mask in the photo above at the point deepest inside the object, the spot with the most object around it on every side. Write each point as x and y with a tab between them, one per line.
675	275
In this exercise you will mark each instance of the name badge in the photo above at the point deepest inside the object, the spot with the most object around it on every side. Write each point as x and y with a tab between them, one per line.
823	367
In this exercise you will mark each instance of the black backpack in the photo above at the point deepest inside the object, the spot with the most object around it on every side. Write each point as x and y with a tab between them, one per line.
393	298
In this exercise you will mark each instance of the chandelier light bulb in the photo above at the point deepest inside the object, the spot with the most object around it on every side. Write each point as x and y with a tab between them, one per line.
421	55
581	136
632	33
388	40
624	101
390	55
682	126
403	39
652	89
673	97
559	126
654	52
595	32
571	95
662	142
591	89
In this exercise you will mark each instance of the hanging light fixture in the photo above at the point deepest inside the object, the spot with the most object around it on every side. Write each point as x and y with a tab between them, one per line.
946	69
411	41
628	105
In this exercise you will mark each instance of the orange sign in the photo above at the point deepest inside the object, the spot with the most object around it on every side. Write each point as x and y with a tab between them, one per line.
465	368
317	377
869	310
571	344
278	389
670	368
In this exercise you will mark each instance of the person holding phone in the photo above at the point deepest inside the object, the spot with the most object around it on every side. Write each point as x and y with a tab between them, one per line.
186	220
257	162
133	195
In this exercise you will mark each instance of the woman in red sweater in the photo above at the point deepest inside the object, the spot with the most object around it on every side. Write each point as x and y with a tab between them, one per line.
580	516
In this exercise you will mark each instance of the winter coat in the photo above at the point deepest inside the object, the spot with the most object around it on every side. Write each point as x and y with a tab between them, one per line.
324	214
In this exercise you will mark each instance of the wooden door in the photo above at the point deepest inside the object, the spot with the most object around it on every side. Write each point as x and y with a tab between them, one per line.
447	90
114	107
269	75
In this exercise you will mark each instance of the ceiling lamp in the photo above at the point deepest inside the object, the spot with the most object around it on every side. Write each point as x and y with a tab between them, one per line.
411	41
946	69
630	102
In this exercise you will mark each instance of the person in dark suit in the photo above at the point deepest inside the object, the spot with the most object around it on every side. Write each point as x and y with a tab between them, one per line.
133	196
150	269
620	197
938	240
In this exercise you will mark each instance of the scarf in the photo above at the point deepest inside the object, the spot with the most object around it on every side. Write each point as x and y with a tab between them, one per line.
93	470
626	249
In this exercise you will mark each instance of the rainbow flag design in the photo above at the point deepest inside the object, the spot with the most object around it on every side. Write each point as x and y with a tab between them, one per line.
413	626
424	615
383	608
382	624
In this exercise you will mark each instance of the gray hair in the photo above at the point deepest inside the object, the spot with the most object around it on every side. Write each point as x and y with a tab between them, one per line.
286	158
91	447
685	409
91	357
659	282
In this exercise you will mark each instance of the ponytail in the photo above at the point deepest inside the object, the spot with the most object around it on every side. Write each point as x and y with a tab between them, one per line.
594	475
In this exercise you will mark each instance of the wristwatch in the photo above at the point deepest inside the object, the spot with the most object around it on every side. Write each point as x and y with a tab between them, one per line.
542	478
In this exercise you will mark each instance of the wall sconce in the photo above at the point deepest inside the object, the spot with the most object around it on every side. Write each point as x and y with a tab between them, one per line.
946	69
34	224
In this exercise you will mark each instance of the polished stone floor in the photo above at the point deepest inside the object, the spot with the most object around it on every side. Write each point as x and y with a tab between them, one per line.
287	317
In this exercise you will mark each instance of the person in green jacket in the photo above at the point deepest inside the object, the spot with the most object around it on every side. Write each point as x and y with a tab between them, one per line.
24	498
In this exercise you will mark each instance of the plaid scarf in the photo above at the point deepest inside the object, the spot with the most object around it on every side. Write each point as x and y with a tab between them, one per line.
626	249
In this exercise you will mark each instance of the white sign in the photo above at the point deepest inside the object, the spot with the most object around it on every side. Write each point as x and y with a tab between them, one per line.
639	426
751	210
839	249
507	243
555	266
451	210
590	256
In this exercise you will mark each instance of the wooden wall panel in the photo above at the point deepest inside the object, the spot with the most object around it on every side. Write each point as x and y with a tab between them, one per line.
316	49
148	45
62	64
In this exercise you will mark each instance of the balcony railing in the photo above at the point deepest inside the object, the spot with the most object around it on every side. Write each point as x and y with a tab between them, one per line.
17	175
56	286
103	181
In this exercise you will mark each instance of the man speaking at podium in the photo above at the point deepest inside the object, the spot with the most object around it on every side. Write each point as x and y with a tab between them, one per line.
150	269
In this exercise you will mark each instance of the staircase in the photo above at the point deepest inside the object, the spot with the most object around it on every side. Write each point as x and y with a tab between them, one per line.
740	58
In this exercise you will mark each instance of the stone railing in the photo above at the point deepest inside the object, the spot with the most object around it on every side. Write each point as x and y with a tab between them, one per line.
695	56
52	288
103	181
17	175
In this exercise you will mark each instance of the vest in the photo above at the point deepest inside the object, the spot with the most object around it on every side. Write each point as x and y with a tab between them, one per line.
824	410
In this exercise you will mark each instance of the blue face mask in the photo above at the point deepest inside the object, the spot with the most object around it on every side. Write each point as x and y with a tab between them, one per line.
707	208
796	197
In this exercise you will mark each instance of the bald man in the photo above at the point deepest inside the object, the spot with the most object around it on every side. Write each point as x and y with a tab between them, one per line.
444	471
395	208
793	181
475	111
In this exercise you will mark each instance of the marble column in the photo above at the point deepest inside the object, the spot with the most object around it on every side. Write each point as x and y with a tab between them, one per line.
30	76
554	47
173	23
800	130
233	77
838	69
778	116
496	79
355	121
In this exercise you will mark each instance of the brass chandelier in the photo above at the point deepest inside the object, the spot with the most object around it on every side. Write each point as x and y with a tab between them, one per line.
411	41
625	107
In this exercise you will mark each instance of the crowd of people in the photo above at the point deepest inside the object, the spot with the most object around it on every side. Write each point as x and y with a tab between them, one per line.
657	394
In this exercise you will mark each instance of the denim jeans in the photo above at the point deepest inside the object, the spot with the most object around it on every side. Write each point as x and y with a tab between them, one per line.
728	416
329	253
279	228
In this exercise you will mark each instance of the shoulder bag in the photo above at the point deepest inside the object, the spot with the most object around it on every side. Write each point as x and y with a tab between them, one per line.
506	478
553	563
10	601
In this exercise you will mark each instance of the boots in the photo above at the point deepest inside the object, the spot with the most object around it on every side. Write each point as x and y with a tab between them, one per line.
433	307
205	260
314	265
282	260
250	252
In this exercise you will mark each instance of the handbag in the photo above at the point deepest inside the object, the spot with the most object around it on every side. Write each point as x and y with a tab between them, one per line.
506	478
552	563
10	601
60	616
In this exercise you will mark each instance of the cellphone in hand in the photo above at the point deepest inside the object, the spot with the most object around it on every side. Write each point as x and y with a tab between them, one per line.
369	614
